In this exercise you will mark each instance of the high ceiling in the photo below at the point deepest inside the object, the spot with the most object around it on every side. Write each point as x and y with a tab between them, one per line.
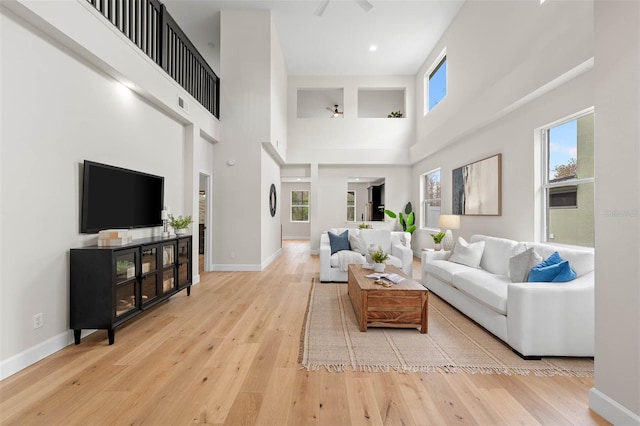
336	43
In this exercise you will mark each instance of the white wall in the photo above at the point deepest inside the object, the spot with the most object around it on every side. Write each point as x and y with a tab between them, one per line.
271	229
80	112
350	140
53	118
293	230
493	105
616	394
252	100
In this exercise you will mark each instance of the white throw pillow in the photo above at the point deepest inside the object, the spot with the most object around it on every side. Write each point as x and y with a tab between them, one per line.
467	254
358	243
521	264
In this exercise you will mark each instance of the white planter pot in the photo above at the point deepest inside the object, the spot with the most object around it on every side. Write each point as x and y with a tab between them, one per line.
378	267
181	231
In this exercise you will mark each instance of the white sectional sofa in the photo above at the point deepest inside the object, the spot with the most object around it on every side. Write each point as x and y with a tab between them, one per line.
396	243
534	318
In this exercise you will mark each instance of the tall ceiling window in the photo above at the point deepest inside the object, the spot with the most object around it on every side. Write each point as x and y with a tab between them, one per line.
568	181
436	82
300	206
431	199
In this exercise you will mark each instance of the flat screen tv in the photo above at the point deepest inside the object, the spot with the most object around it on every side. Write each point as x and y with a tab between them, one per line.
117	198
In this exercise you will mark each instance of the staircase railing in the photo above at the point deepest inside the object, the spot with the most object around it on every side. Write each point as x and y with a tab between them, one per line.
148	25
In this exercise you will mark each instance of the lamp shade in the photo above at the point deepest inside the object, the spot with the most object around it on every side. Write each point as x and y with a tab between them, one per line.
449	221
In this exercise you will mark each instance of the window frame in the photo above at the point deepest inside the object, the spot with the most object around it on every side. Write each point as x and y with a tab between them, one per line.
547	185
424	200
435	66
291	206
351	206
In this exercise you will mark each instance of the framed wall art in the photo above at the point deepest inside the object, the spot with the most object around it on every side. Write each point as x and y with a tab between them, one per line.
477	188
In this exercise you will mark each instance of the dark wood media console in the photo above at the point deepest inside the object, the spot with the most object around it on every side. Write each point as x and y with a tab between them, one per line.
111	285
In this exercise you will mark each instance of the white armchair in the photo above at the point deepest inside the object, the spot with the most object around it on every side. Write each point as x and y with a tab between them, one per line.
397	244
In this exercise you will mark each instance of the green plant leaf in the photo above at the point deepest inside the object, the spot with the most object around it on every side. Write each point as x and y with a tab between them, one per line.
401	220
391	214
411	228
410	219
408	208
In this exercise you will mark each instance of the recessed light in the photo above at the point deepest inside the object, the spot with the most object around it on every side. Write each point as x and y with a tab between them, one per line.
373	48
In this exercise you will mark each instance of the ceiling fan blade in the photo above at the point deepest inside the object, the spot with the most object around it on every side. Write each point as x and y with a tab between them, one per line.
330	109
320	10
364	4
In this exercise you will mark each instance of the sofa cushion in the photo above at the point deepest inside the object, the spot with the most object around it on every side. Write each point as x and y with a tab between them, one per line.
339	242
351	257
497	252
394	261
521	264
444	270
484	287
467	254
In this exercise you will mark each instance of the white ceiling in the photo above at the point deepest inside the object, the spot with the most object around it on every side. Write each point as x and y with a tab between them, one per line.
337	43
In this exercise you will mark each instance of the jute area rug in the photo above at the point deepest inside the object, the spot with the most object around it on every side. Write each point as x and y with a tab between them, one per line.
454	343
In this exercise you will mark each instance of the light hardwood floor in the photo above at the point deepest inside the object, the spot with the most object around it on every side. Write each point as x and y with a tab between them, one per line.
228	355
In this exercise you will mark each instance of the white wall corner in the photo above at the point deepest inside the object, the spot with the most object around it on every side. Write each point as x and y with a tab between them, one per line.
611	410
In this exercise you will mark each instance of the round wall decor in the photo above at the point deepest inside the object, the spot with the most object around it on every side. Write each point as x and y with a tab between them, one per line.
272	200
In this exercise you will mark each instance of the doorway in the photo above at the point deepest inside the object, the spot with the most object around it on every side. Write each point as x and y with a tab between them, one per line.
204	222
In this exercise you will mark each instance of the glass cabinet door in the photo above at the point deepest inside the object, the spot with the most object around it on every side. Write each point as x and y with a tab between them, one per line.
125	267
168	280
149	257
184	269
125	298
168	255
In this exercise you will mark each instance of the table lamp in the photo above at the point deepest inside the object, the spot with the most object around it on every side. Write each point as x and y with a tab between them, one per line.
448	222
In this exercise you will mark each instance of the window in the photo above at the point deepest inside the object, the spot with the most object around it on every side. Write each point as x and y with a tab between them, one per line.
351	206
299	206
436	83
431	199
568	181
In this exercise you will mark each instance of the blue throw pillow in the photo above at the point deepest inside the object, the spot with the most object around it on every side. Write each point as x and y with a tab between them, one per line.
553	269
339	242
565	274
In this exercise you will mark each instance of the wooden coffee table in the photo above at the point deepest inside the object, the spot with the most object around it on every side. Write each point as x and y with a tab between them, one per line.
402	305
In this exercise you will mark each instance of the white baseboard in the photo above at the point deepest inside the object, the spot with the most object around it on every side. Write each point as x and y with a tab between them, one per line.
232	267
611	410
34	354
271	258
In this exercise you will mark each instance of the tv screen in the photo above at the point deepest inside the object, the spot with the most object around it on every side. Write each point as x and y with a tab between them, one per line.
116	198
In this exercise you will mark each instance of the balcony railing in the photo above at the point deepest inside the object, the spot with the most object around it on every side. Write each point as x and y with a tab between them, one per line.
150	27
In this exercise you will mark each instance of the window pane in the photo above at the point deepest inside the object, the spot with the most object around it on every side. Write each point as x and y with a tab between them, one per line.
573	225
351	198
438	84
431	200
299	214
351	213
299	198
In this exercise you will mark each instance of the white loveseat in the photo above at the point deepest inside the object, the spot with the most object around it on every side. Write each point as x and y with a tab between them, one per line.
397	244
534	318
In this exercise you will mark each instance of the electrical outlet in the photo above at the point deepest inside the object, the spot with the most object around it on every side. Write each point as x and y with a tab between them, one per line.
38	321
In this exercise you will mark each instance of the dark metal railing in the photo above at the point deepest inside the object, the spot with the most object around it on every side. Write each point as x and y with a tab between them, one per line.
150	27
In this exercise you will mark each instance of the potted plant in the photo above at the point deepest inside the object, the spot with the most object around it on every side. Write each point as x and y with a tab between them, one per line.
179	224
379	257
395	114
437	239
407	224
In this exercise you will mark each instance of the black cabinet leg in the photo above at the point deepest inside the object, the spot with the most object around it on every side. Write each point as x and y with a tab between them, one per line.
76	336
112	335
189	291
